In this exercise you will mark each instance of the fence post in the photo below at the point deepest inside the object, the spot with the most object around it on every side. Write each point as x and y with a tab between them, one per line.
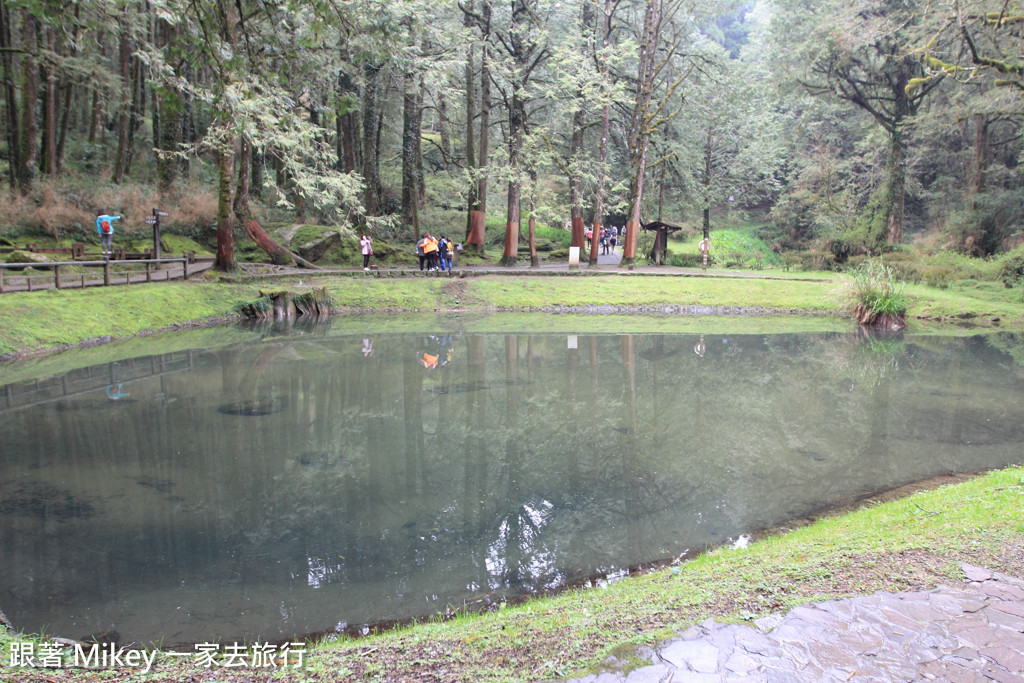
149	277
106	273
1	280
184	266
56	276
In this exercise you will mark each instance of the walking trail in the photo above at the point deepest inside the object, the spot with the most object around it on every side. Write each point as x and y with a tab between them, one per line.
973	631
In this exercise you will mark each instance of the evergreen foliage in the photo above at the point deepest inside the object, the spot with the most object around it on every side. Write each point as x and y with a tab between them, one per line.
847	127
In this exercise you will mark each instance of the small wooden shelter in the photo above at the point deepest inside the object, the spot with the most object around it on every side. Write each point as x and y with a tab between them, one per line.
661	232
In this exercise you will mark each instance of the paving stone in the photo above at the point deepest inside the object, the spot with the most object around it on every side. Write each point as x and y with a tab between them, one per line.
967	622
1002	676
652	674
979	637
946	672
1010	639
1014	607
739	662
755	642
975	573
1002	591
691	655
970	633
901	623
692	633
1011	660
998	617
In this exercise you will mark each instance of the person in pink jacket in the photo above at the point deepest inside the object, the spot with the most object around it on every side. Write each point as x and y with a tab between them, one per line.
367	246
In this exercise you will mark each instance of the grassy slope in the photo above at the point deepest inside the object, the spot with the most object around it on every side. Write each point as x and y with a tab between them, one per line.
907	544
45	320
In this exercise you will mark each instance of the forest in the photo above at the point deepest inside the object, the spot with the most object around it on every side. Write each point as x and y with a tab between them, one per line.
827	130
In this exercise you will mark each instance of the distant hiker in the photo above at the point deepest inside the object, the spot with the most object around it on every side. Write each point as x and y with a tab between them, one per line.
367	246
430	251
419	250
443	247
105	228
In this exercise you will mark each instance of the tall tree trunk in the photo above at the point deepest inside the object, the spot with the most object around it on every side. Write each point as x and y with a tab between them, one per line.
169	108
243	212
137	111
516	123
225	225
639	132
477	233
410	133
65	122
606	22
48	162
532	223
124	102
169	139
421	184
706	181
979	159
7	60
68	92
470	146
371	118
578	238
29	130
895	193
443	127
96	117
346	121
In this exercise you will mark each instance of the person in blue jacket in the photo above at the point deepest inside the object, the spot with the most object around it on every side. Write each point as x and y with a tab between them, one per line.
105	228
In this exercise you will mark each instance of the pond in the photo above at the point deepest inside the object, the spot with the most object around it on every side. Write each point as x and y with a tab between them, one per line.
310	481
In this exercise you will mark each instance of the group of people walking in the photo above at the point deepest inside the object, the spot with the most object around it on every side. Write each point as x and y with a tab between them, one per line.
608	238
436	253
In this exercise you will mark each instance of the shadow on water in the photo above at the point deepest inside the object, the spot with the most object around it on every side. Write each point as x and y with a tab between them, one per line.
42	501
254	407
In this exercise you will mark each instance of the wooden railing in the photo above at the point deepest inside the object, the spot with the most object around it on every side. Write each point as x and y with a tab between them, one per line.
113	377
60	278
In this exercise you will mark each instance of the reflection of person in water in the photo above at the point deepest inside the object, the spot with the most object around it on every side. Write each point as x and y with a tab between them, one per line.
440	352
445	354
114	393
367	347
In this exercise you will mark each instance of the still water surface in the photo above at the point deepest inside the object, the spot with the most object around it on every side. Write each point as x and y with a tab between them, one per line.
312	482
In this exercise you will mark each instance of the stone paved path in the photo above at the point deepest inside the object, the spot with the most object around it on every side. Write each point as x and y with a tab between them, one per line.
963	633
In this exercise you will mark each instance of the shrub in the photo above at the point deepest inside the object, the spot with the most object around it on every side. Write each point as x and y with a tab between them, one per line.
876	296
1012	271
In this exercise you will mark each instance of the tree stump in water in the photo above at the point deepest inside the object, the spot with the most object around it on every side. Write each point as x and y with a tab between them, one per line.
286	305
884	321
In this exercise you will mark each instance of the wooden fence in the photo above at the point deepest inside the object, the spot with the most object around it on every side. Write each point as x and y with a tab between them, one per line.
12	279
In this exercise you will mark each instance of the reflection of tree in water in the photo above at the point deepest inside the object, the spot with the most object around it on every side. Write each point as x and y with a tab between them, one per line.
865	358
1010	343
536	464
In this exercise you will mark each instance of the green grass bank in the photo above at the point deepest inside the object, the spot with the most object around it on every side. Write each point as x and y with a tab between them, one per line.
911	542
40	321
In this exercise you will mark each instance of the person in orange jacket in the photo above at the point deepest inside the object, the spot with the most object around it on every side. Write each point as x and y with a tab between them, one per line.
430	250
